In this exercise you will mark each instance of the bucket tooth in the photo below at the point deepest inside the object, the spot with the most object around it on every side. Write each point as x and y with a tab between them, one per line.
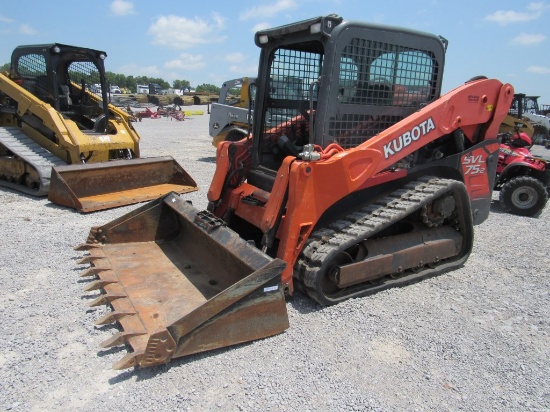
94	255
129	360
88	259
105	299
83	247
98	284
83	260
93	271
112	317
119	339
100	300
88	273
101	264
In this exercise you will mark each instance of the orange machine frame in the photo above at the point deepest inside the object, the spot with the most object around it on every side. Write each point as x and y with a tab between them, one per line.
482	102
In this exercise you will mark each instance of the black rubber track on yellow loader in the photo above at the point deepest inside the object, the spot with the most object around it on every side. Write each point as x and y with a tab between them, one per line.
31	153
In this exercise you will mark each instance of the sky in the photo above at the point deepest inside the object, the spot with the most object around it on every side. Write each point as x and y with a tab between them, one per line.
211	41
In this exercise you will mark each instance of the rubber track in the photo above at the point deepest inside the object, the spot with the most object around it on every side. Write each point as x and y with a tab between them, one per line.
33	154
363	224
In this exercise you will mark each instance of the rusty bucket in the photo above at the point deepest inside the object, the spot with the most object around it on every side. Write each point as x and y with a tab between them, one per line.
180	282
97	186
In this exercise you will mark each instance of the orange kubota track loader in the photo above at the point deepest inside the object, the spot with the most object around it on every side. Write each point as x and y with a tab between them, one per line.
60	137
370	179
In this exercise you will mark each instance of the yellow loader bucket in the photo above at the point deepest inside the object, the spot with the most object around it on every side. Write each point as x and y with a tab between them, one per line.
97	186
180	282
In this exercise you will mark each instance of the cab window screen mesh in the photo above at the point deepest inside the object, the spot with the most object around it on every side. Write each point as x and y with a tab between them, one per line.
389	81
87	73
291	73
32	69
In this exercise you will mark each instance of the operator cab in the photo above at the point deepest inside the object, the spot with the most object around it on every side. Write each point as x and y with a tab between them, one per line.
62	76
324	81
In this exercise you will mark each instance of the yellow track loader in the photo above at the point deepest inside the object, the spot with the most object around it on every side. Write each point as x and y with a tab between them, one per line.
60	136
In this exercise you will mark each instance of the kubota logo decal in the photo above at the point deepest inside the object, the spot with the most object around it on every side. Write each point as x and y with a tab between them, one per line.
401	142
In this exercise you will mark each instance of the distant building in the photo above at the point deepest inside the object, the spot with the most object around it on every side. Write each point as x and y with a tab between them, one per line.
142	89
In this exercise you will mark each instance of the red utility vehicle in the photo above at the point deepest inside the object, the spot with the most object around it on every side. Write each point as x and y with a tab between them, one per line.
522	179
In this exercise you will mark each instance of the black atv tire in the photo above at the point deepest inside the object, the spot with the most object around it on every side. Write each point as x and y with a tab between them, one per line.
523	196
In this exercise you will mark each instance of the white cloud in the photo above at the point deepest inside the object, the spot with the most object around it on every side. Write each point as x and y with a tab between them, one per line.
186	62
538	70
122	8
5	19
504	17
268	10
508	17
135	70
524	39
182	33
240	64
26	29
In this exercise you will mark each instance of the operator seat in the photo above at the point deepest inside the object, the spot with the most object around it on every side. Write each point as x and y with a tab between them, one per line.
65	101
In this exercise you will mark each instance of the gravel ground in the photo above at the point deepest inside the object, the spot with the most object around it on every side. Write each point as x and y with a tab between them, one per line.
473	339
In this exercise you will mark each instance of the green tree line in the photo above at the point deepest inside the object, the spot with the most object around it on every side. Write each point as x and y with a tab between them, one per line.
131	82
